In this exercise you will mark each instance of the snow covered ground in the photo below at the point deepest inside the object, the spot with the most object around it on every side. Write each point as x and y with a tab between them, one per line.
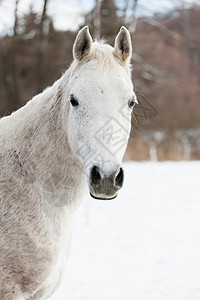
145	245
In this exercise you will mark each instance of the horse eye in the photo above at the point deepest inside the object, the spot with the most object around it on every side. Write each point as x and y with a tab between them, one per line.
131	103
73	101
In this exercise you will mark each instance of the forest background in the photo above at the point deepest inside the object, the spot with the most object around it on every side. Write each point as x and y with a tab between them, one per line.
166	68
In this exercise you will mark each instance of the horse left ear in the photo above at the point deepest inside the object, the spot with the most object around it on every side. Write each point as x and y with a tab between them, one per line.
123	47
83	44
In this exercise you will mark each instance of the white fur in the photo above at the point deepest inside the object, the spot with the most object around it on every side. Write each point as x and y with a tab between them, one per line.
42	171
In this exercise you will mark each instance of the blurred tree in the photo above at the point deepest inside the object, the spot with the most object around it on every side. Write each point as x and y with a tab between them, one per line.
109	19
128	12
97	19
16	18
164	68
9	72
43	40
103	20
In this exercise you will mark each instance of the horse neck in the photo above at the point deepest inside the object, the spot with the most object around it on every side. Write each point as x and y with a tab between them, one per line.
40	140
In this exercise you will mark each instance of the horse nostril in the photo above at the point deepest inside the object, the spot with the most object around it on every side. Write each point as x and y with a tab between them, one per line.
95	176
119	179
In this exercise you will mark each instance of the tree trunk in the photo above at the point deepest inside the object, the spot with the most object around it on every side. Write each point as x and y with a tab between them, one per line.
42	48
8	70
97	19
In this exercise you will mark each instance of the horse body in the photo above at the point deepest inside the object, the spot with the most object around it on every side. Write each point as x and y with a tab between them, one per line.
42	181
33	233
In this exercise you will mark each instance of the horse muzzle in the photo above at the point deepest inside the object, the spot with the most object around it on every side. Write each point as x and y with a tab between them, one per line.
104	187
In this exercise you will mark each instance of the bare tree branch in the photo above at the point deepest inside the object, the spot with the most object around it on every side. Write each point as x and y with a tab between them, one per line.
131	20
42	45
125	9
162	28
97	19
16	18
43	17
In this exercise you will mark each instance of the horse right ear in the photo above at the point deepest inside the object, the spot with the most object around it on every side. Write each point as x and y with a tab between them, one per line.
123	47
83	44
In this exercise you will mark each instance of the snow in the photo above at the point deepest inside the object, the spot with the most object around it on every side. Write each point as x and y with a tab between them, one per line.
145	245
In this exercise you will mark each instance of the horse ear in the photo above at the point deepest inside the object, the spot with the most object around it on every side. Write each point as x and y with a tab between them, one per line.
83	44
123	47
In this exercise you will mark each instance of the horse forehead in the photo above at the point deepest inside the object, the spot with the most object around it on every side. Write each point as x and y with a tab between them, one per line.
103	93
105	83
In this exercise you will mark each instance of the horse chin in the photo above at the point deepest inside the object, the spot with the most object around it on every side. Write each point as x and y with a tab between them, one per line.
103	197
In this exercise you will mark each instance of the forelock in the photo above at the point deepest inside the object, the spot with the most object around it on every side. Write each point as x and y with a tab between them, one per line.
103	53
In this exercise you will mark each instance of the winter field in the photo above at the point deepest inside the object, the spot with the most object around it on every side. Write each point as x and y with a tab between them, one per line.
145	245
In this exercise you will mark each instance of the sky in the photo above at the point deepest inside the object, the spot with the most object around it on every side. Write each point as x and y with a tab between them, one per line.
68	14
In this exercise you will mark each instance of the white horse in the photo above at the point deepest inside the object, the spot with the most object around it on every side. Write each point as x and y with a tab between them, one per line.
66	139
